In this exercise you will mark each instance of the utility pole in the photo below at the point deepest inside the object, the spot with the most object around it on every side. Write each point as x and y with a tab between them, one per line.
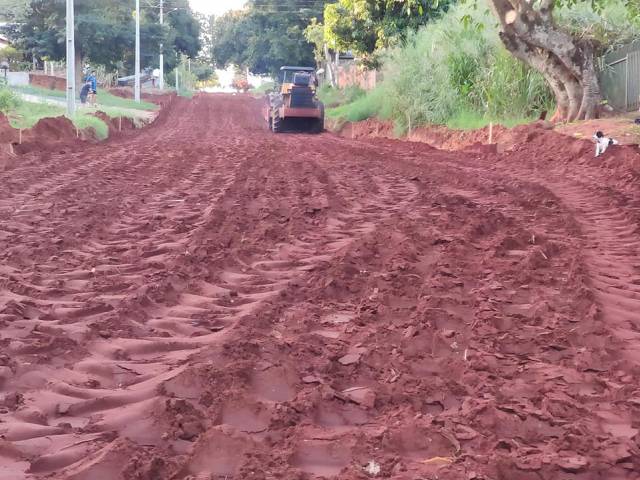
177	75
71	60
161	47
137	85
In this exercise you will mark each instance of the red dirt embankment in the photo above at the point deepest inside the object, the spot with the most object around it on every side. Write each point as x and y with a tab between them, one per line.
55	134
47	81
205	299
161	99
504	138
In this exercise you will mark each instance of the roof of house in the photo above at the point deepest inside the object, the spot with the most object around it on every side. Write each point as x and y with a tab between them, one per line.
300	69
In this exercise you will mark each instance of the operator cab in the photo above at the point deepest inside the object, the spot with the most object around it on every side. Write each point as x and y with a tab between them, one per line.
290	76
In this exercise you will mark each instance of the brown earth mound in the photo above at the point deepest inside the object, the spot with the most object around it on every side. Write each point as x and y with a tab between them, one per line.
117	125
122	92
47	81
443	137
57	133
160	99
53	129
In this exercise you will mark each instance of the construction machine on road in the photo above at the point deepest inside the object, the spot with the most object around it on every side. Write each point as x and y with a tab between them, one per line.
295	107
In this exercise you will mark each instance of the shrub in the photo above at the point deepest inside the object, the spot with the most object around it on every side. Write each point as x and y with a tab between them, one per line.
454	70
334	97
8	100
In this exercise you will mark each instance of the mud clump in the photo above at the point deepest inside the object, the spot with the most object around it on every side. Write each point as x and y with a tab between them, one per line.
117	125
58	133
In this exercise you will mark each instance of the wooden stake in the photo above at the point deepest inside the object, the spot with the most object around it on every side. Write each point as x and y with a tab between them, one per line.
20	137
490	133
119	124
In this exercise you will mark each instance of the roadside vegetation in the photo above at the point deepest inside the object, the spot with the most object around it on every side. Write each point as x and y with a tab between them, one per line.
23	114
264	88
455	71
26	114
334	97
104	98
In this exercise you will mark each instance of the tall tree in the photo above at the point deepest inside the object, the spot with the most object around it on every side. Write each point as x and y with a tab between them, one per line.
365	27
105	31
567	60
266	35
13	10
184	29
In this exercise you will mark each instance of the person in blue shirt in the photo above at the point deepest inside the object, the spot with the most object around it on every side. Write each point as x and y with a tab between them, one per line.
93	89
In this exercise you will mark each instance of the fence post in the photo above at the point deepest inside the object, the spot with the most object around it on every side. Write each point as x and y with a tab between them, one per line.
626	82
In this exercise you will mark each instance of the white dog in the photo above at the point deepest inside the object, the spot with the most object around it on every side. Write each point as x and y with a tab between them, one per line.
602	143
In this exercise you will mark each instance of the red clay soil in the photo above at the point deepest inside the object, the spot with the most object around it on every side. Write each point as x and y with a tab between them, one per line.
442	137
50	134
117	125
161	99
47	81
56	134
8	134
206	300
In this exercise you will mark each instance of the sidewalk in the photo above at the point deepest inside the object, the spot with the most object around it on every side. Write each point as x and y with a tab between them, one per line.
132	112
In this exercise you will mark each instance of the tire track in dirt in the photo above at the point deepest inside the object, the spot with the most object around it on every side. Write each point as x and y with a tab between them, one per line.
81	299
608	411
612	256
302	306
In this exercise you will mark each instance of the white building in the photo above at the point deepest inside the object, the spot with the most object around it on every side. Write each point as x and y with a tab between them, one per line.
4	42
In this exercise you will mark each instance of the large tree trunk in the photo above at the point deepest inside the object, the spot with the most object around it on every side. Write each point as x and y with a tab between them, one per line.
568	64
79	74
331	75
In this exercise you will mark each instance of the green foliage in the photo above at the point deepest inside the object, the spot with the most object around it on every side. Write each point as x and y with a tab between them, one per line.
107	99
8	100
333	97
611	24
373	104
187	80
184	32
465	120
13	56
265	35
264	88
368	26
138	116
10	53
99	127
453	71
13	10
203	71
27	114
39	91
105	32
104	98
314	33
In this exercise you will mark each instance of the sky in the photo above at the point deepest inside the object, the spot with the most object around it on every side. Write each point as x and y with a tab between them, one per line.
216	7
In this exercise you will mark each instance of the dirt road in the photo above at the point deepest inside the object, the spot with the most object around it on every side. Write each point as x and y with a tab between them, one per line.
206	300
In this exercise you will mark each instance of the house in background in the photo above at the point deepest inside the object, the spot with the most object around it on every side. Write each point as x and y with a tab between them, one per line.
620	77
